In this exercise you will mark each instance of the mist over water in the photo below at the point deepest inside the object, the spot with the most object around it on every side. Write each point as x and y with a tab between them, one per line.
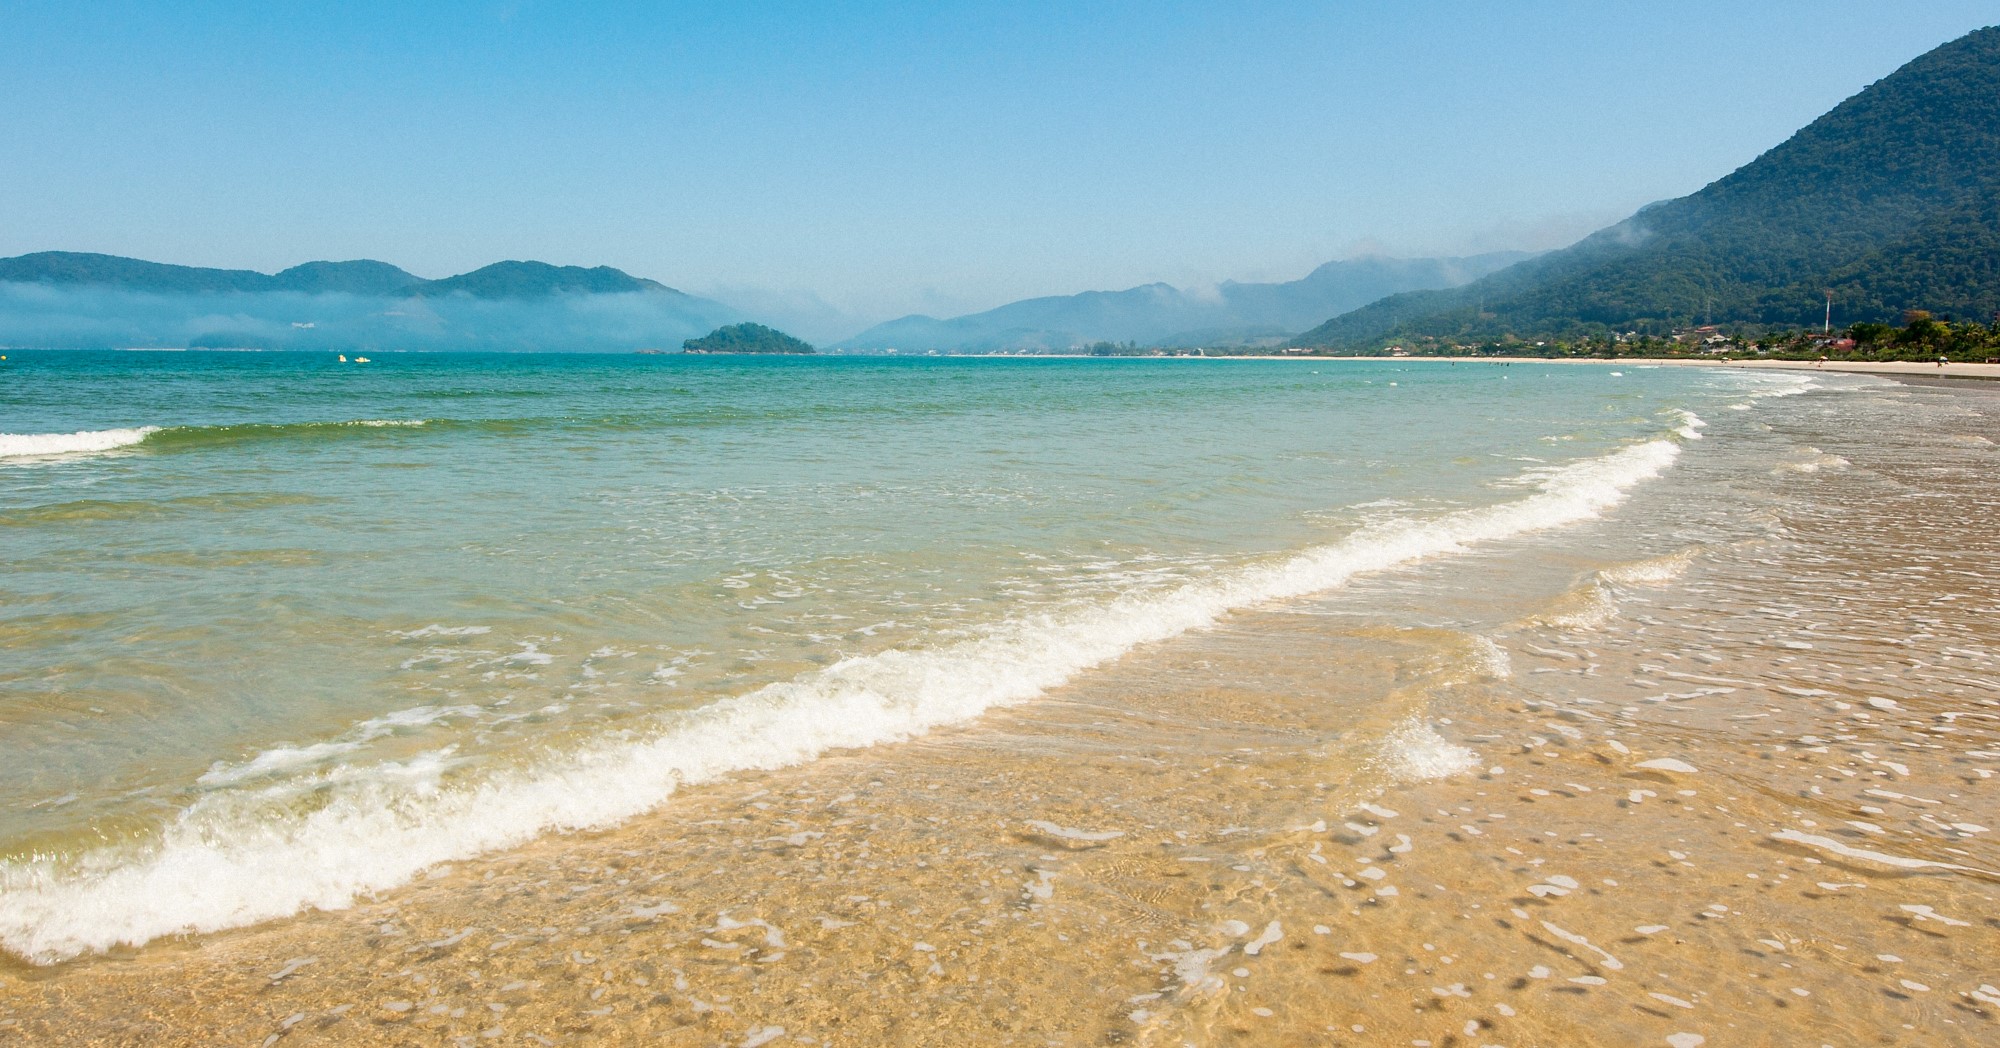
288	631
87	317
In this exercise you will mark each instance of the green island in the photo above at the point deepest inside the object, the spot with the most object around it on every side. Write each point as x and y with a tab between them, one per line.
746	338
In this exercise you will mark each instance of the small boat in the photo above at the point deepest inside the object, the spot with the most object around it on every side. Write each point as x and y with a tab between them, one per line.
361	360
343	358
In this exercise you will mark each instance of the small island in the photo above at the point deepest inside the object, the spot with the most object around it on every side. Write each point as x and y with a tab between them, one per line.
746	338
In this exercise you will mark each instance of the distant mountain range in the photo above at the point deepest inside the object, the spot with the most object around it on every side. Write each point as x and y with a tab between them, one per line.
64	299
1162	315
1891	201
361	277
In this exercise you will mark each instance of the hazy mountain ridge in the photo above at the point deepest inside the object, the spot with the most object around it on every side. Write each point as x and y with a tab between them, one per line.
1163	315
1891	199
510	279
73	300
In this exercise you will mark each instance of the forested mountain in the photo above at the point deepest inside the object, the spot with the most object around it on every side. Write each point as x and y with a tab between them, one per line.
363	277
1891	200
1163	315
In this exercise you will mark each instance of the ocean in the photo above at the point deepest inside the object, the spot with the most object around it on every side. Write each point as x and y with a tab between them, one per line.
289	640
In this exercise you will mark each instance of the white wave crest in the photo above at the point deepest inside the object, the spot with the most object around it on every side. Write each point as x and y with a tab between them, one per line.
1585	608
40	445
244	854
436	630
1820	460
1767	385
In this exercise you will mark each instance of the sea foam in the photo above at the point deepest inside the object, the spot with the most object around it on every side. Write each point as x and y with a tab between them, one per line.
254	851
94	441
1415	752
38	445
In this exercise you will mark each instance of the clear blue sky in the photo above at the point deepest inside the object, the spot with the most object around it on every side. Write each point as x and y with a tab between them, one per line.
897	157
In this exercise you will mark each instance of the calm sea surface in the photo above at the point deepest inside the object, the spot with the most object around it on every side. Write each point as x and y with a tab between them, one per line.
276	631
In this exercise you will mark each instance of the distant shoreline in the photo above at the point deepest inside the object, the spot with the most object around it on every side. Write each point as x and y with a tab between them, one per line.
1889	368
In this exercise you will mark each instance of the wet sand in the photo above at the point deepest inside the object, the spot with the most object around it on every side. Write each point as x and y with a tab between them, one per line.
1735	771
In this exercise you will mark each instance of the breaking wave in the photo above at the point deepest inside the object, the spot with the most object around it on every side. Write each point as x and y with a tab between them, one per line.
42	445
96	441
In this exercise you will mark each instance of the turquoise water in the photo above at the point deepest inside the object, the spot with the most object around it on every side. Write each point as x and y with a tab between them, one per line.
279	630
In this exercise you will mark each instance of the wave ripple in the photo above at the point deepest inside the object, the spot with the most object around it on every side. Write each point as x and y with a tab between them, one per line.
247	853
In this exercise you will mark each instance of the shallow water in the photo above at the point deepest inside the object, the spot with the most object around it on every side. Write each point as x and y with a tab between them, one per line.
1221	695
311	627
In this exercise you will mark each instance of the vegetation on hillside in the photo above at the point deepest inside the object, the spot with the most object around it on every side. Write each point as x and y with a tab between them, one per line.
1920	336
1891	200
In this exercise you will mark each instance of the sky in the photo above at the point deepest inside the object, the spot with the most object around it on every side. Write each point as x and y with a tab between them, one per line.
831	165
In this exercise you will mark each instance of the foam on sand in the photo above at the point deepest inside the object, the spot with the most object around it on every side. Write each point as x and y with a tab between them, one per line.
1898	862
1050	829
261	849
1415	752
83	442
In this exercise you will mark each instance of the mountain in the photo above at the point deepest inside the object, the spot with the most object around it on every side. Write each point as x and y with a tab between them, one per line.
1891	200
746	338
499	280
75	267
81	268
71	300
355	278
1162	315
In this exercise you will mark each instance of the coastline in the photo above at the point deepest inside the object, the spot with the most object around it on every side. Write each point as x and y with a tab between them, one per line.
1889	368
1252	837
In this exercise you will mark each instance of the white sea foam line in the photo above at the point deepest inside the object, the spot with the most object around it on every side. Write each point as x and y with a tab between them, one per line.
1783	385
235	857
26	445
1881	858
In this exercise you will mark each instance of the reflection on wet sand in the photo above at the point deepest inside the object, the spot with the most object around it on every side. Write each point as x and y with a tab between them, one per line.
1719	770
